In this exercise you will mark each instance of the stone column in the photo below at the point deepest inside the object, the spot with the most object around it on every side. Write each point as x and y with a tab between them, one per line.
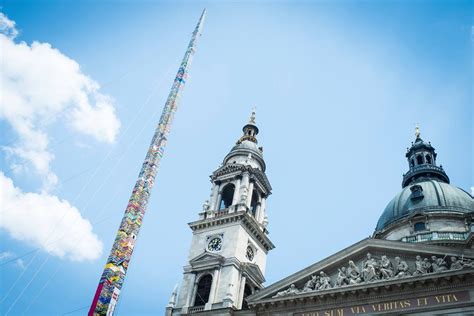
249	198
191	292
236	197
214	196
219	199
214	287
245	180
243	279
261	214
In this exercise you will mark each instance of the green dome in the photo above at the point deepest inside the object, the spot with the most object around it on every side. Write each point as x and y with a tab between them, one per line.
425	197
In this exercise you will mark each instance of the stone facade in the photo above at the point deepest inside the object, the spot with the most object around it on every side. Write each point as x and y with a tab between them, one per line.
419	261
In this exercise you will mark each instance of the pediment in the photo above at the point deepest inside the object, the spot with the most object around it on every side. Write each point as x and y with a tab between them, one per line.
253	271
206	260
310	281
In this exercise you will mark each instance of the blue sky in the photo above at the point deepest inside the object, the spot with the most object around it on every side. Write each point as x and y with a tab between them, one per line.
338	85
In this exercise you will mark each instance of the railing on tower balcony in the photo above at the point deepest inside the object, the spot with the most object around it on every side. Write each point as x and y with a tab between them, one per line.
195	309
435	236
222	212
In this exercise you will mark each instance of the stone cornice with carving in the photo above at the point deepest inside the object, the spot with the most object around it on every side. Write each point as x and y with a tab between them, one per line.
356	253
247	220
231	170
399	289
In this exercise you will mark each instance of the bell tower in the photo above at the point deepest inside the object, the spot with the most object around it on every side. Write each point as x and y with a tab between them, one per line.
227	257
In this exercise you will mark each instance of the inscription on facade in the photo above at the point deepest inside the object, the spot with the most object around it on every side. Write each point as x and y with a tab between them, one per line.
394	305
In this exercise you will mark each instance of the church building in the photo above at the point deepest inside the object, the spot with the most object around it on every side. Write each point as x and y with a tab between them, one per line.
419	260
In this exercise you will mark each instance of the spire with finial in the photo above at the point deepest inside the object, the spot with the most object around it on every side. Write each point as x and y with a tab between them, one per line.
250	129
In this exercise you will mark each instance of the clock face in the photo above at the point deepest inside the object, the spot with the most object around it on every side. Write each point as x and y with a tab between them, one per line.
215	244
250	253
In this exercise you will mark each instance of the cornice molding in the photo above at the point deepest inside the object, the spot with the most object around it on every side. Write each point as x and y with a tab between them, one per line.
242	217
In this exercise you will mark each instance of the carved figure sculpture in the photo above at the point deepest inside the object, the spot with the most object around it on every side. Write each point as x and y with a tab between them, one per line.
205	206
244	195
342	278
442	265
455	264
309	286
419	267
467	263
317	285
353	273
386	268
461	264
369	269
401	268
438	264
427	265
292	290
325	281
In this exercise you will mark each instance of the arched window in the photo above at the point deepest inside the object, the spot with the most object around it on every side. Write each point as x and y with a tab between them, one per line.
203	290
247	292
226	196
254	202
428	159
419	226
419	159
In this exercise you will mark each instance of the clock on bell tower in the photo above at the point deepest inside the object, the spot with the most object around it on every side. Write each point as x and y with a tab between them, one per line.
227	257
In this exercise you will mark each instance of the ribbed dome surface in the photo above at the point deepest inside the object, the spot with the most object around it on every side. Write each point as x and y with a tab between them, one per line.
243	149
437	197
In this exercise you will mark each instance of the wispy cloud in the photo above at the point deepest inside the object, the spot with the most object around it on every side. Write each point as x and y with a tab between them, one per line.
41	85
7	26
47	222
20	264
6	255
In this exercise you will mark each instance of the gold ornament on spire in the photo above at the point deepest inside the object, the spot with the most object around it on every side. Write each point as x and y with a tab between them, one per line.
417	131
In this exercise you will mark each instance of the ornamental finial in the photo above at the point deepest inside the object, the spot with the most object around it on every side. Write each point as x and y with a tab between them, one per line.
417	131
252	116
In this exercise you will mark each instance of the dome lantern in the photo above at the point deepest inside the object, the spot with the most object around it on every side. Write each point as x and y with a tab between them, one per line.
246	151
421	158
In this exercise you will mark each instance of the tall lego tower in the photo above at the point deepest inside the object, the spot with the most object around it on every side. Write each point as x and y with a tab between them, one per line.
111	282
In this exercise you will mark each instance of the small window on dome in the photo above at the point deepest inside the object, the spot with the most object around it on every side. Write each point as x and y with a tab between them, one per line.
416	192
419	226
419	160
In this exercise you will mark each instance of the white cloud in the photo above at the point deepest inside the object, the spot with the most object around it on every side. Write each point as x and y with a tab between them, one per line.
5	255
40	85
20	264
45	221
7	26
